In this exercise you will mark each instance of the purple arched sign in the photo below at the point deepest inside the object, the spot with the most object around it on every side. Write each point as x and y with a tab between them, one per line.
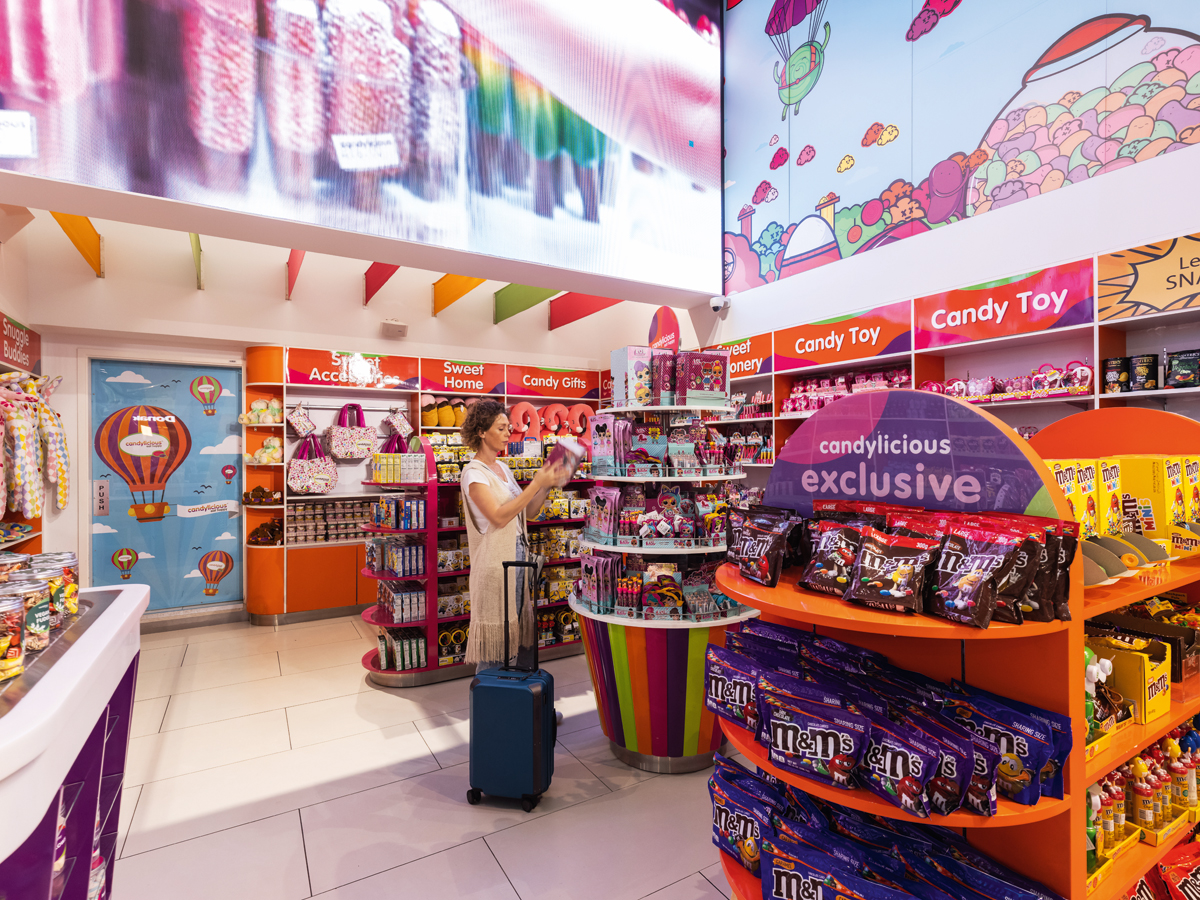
913	448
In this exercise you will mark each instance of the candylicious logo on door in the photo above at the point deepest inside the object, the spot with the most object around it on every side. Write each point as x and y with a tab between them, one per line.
912	448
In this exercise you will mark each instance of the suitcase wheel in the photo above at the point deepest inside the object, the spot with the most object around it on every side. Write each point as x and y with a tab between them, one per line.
529	802
474	796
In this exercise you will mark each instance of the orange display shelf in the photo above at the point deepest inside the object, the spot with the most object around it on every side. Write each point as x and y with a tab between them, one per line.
1007	812
1147	583
1133	865
1136	738
745	885
791	602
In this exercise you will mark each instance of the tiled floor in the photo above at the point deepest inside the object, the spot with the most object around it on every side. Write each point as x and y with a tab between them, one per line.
264	766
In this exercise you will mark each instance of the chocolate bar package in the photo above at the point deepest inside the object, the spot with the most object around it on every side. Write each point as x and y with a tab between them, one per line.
889	572
871	864
833	556
766	653
951	844
820	742
944	792
1068	541
971	562
898	763
794	870
740	822
729	686
747	781
980	882
1025	743
762	545
786	635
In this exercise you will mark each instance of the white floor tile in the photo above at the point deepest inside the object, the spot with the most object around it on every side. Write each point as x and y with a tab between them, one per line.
448	736
188	806
316	623
161	658
185	679
368	710
129	799
592	748
568	670
694	887
324	656
716	876
181	636
262	860
214	704
578	706
368	631
266	640
542	857
172	753
148	716
410	819
466	872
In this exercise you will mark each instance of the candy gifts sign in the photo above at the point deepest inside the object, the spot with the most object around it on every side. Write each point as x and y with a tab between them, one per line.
861	335
912	448
749	356
572	384
341	368
1050	298
459	376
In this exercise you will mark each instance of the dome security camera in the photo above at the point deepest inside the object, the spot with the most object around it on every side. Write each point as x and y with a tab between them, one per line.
719	303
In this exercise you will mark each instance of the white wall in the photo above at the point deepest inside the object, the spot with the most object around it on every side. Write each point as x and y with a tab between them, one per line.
14	285
1135	205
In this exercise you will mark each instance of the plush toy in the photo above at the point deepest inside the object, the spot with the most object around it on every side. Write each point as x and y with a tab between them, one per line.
270	452
554	418
525	422
263	412
460	411
445	415
578	417
429	415
53	457
22	448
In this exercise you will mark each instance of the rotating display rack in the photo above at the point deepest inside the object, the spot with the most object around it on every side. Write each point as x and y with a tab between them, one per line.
648	675
1038	663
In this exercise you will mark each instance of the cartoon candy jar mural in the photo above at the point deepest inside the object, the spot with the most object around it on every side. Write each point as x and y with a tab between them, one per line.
1111	92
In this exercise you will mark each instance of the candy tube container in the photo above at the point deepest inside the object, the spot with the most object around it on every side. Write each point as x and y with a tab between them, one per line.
292	93
218	61
1143	795
1108	821
369	96
439	102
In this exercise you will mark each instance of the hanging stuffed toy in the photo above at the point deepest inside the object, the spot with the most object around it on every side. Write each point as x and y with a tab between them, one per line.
578	417
53	457
554	418
525	422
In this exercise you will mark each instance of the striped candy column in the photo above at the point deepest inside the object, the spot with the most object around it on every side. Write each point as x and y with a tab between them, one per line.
649	684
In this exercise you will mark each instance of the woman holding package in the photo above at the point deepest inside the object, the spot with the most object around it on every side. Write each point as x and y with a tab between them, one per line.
496	508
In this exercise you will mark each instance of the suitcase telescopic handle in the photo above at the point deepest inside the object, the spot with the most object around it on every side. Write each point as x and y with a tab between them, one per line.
508	564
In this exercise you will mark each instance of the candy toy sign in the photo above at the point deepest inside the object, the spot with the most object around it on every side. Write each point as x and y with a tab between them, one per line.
1051	298
862	335
748	356
911	448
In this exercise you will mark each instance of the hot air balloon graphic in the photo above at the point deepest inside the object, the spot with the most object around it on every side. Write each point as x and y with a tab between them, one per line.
229	472
214	566
802	66
206	389
125	559
144	445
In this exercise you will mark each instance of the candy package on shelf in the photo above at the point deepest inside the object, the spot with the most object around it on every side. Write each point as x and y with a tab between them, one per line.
1075	378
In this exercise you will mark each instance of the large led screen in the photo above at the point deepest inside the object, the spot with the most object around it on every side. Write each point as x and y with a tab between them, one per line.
571	134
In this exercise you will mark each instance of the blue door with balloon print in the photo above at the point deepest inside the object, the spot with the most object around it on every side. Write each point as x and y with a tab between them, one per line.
166	461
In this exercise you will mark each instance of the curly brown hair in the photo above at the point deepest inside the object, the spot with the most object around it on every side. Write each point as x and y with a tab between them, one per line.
481	415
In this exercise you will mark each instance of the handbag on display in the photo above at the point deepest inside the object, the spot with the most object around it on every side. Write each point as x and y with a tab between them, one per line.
310	471
394	444
300	421
351	437
399	422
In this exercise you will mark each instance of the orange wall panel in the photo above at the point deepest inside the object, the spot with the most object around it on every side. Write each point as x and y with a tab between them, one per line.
322	577
264	364
264	581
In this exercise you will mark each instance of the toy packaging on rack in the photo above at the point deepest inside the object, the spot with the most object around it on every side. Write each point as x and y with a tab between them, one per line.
969	569
1076	378
664	445
811	393
961	746
402	649
637	589
667	517
401	601
659	377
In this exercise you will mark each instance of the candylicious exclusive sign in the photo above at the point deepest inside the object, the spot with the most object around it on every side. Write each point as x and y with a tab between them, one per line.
912	448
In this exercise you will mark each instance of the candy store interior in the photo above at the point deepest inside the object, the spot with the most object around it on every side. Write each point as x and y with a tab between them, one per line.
433	440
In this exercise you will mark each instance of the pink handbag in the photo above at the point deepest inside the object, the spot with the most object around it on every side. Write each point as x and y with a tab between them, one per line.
351	437
310	471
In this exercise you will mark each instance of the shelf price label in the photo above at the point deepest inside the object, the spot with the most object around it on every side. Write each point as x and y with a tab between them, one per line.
862	335
348	369
564	384
1154	278
1058	297
462	376
748	356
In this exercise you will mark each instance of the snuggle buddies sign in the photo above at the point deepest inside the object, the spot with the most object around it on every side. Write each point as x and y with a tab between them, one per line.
912	448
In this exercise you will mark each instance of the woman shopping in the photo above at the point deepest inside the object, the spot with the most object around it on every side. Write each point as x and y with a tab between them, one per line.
496	509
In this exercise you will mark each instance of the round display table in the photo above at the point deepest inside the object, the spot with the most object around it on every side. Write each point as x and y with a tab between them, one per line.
649	684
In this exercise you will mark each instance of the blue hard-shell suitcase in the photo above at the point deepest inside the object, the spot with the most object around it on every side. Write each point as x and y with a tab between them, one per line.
513	727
